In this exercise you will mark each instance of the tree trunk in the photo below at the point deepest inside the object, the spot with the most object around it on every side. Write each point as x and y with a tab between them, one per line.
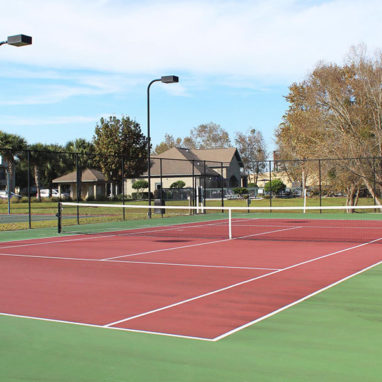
37	182
10	184
372	192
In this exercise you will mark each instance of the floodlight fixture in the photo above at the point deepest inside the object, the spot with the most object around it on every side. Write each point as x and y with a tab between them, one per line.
169	79
18	40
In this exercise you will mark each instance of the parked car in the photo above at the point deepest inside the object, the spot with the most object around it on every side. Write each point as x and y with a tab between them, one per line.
45	193
4	195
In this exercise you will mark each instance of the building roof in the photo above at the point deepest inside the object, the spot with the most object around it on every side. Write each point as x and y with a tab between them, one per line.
179	161
89	175
215	156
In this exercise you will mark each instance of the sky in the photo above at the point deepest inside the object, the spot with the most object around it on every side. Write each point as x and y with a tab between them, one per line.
235	61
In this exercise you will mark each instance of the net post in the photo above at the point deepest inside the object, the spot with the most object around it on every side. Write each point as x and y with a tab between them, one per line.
59	217
230	223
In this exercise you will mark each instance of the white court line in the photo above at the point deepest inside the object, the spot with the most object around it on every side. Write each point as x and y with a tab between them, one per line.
293	303
103	327
190	337
133	232
307	226
238	284
55	241
136	262
197	244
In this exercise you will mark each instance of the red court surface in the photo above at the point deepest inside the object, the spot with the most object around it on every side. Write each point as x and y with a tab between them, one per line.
197	288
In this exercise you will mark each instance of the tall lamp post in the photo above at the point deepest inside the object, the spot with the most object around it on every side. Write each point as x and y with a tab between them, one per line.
165	80
17	40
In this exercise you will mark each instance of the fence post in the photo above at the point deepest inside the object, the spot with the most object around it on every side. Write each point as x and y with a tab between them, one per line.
222	185
320	183
374	183
59	217
161	194
270	184
193	185
78	185
123	187
204	187
29	190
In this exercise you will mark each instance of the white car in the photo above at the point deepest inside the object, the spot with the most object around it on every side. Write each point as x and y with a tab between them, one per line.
4	195
44	193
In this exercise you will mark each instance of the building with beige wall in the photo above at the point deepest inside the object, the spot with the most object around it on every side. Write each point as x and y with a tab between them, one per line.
93	184
210	168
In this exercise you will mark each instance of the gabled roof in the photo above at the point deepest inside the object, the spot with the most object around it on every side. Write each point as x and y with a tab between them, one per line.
89	175
224	155
179	161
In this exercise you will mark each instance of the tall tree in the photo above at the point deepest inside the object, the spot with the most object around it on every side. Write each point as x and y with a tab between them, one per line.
39	159
80	152
337	112
168	143
11	146
252	150
116	138
207	136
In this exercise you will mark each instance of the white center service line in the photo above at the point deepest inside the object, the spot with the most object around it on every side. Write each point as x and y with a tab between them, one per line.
198	244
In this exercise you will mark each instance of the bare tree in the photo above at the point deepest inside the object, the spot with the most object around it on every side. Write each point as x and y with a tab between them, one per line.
252	150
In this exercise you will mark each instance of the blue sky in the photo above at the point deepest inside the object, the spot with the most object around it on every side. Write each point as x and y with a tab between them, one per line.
235	61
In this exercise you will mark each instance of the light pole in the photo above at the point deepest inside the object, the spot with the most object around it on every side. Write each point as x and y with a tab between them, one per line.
17	40
165	80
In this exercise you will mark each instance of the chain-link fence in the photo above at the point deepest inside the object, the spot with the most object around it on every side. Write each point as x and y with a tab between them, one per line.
31	182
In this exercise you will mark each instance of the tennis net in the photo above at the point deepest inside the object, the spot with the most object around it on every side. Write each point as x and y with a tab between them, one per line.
357	224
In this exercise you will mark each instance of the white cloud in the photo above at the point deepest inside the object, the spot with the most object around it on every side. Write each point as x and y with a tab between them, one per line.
55	86
276	39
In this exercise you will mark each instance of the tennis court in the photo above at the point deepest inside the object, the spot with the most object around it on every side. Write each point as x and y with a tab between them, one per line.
201	279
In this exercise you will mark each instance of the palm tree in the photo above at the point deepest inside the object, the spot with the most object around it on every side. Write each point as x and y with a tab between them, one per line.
39	157
11	146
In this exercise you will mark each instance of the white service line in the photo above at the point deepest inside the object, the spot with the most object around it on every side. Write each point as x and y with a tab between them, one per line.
137	262
238	284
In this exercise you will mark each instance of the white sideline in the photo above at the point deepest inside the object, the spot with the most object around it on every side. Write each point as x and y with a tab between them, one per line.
293	303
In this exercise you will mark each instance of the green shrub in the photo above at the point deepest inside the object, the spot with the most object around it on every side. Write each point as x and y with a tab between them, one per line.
275	185
141	195
178	184
240	190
